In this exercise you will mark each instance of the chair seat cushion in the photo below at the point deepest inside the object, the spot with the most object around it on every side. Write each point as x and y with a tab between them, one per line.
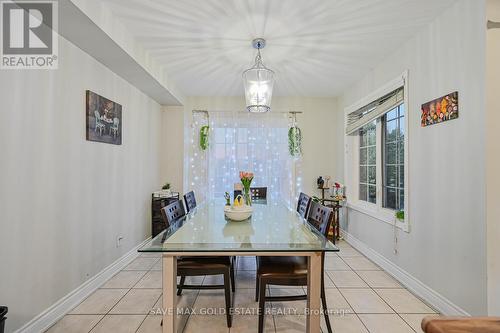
203	262
282	266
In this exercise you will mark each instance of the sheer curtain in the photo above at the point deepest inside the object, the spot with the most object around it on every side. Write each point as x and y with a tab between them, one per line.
258	143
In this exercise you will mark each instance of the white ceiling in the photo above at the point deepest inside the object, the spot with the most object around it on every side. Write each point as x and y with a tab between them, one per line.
316	47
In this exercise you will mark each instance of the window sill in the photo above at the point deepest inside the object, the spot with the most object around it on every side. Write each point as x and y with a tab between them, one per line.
384	215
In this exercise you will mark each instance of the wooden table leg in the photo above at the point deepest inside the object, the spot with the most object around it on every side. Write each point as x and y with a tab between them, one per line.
314	293
169	293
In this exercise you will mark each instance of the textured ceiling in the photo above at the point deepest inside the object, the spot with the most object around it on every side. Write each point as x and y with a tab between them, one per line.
316	47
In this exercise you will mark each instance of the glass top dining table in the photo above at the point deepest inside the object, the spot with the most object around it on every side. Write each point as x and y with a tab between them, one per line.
273	227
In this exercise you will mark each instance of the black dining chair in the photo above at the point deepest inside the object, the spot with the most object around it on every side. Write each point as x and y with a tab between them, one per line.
197	266
303	204
258	193
190	201
292	271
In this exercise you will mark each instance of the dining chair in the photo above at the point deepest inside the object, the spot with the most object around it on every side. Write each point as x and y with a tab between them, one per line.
257	193
303	204
292	271
190	201
198	266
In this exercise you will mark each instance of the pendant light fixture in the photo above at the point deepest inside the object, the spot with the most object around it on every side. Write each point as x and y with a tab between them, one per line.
258	82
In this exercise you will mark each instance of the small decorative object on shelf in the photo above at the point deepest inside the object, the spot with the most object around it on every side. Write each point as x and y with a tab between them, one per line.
320	181
204	137
246	180
338	192
228	198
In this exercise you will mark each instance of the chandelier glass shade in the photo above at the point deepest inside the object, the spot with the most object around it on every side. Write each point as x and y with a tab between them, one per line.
258	82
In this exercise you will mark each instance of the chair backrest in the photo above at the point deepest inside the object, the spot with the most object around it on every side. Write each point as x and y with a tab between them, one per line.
320	217
97	117
258	192
303	204
190	201
173	212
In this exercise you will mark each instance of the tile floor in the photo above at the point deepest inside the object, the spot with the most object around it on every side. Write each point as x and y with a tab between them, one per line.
364	298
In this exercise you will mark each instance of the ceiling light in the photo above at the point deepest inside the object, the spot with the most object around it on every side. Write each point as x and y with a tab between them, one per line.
258	82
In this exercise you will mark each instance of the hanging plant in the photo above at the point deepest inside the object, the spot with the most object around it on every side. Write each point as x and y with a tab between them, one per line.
204	137
295	141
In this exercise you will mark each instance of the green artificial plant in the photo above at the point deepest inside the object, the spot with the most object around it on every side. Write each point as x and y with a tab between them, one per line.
295	141
400	214
204	137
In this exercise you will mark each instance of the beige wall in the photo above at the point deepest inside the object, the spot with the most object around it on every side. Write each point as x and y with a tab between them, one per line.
64	200
172	147
446	246
322	153
493	157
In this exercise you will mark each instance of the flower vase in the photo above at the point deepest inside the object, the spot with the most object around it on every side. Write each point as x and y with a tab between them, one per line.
247	196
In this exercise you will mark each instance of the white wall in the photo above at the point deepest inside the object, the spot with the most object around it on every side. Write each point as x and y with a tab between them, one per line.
172	150
446	248
493	158
322	154
64	200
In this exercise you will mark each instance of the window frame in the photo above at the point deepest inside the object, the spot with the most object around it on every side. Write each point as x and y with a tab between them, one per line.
352	160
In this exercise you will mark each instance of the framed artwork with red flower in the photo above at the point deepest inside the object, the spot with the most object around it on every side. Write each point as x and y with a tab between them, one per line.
440	110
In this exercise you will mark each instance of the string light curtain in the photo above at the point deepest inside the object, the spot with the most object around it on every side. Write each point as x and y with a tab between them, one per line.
248	142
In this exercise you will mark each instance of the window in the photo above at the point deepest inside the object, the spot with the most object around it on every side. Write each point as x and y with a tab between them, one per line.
367	163
393	128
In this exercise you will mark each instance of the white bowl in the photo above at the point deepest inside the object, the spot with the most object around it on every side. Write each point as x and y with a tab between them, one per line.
239	214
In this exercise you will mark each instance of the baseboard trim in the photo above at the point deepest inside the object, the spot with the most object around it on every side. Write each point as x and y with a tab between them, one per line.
51	315
433	298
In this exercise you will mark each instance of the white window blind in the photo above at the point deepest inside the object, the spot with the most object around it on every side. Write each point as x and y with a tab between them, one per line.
374	110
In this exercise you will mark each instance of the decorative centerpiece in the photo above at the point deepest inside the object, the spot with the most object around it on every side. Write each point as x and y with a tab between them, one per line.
246	180
238	211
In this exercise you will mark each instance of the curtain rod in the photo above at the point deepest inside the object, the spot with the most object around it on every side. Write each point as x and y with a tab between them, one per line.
206	112
493	25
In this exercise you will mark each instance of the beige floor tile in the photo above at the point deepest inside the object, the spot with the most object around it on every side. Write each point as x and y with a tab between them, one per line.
198	323
290	324
402	301
157	266
137	301
415	319
210	300
119	324
186	300
328	281
152	324
244	302
246	264
365	301
379	279
141	264
385	323
336	303
245	279
213	279
124	279
150	255
195	280
347	279
152	279
348	323
336	264
361	264
250	324
349	252
288	308
75	324
100	301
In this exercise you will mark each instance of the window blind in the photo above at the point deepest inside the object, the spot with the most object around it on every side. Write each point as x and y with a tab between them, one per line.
374	110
